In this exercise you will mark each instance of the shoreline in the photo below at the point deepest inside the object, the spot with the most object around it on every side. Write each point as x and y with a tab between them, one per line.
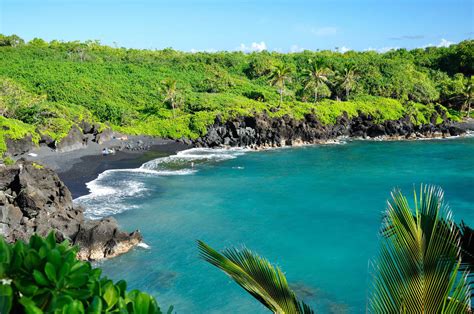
78	167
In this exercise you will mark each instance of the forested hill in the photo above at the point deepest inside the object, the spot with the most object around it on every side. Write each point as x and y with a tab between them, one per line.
45	88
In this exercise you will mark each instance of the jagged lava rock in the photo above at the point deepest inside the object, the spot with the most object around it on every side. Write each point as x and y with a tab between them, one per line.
34	200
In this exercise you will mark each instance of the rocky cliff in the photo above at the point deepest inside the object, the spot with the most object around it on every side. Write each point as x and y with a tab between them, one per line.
34	200
262	131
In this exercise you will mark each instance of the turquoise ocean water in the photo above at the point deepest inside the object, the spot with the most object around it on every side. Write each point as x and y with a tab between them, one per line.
314	211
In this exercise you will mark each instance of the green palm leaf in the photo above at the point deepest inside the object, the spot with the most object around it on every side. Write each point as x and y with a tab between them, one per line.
257	276
418	267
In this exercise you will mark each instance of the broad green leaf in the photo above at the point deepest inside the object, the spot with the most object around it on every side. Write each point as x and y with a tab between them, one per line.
110	295
30	306
54	257
26	287
51	240
61	301
76	307
77	280
122	285
6	298
5	251
96	305
32	260
50	272
40	278
142	303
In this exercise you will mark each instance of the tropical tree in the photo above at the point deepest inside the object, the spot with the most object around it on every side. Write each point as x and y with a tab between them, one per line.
418	267
280	75
423	265
347	80
468	96
171	93
257	276
315	78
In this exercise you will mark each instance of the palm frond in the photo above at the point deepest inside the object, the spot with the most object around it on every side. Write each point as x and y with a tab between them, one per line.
418	267
257	276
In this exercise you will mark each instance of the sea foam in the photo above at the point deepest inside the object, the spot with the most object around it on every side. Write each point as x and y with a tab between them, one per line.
109	192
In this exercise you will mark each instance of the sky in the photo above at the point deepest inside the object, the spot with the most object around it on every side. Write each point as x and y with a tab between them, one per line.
214	25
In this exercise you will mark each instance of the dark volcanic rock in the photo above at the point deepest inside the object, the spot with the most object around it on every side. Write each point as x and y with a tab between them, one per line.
105	135
102	238
20	146
73	140
34	200
262	131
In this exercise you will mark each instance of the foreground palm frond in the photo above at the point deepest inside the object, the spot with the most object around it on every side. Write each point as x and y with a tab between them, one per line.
418	267
257	276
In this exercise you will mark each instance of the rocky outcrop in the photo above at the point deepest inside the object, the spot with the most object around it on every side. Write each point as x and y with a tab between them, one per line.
75	139
19	146
262	131
34	200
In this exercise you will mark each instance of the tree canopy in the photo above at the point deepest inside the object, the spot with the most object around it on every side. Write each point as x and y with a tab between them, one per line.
49	86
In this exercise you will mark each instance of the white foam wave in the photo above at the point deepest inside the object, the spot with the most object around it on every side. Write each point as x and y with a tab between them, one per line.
191	157
143	245
109	192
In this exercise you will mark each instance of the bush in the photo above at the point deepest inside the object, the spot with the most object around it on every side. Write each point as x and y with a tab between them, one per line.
45	277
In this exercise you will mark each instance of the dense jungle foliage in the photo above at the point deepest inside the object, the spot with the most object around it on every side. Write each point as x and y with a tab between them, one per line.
45	88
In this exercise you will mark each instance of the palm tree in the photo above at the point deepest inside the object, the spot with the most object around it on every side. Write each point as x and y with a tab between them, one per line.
315	78
348	80
171	93
417	270
258	277
280	75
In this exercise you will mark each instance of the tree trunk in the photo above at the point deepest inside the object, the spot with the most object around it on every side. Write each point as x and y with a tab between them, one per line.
347	93
315	95
282	86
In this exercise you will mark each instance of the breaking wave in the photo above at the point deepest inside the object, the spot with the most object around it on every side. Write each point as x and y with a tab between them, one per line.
111	192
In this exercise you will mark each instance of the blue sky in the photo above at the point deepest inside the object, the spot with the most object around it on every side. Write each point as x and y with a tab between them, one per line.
247	25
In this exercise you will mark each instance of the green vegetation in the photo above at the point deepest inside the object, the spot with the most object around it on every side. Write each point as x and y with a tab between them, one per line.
258	277
419	269
51	86
45	277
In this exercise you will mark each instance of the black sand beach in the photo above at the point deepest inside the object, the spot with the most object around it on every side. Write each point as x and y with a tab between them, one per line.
76	168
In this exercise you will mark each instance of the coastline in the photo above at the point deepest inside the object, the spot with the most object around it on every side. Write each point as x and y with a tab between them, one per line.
78	167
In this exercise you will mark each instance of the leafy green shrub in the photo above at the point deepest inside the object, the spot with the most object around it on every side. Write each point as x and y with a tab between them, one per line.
8	161
15	129
45	277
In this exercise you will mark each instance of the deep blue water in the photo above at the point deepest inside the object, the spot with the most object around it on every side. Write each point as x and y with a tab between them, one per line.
314	211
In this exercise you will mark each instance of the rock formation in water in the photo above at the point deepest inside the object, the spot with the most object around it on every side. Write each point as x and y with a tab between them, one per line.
34	200
262	131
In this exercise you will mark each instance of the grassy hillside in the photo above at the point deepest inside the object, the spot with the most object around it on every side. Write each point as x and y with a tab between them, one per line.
47	87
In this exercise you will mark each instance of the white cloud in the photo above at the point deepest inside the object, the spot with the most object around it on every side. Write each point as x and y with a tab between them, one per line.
324	31
343	49
296	48
253	47
445	43
381	50
386	49
209	50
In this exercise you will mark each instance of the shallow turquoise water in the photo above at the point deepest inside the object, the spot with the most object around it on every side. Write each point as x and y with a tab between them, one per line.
315	211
